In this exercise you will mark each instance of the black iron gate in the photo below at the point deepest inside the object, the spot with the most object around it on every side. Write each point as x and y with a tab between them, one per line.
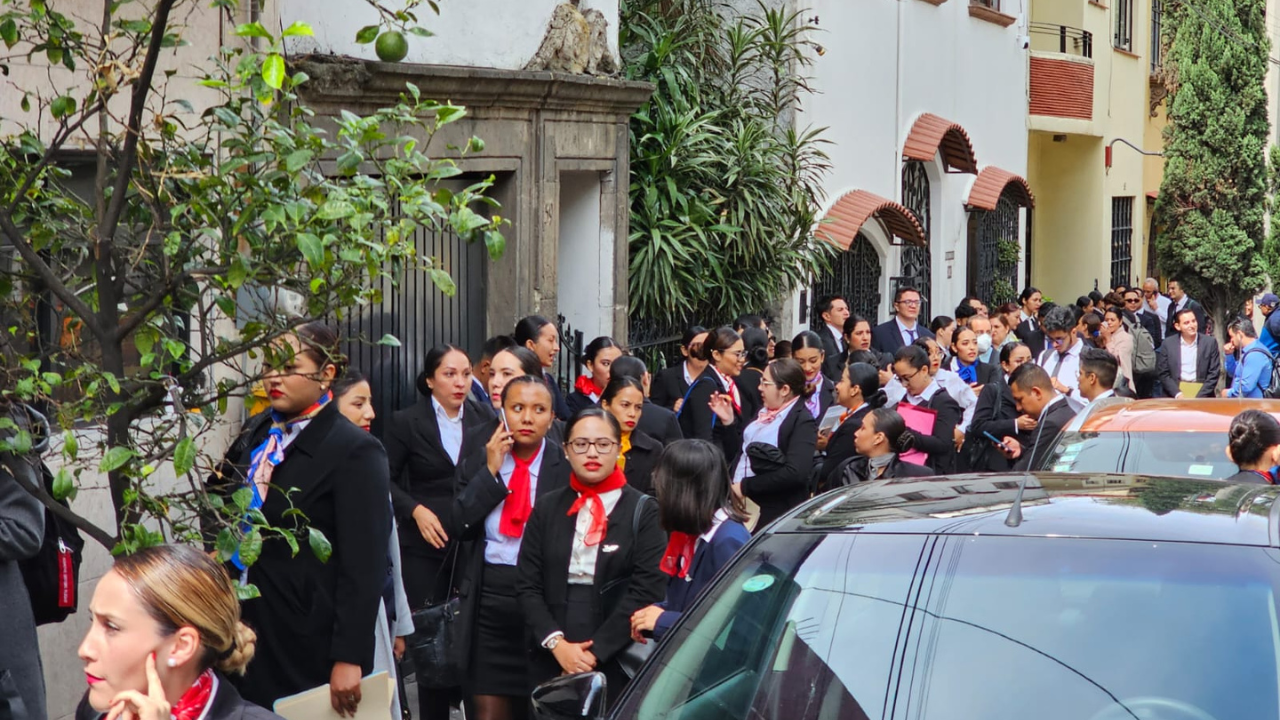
855	276
418	315
994	251
917	262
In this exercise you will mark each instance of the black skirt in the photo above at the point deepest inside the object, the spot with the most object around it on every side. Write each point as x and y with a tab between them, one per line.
499	656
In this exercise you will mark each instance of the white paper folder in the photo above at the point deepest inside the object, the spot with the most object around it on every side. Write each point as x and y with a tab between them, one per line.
314	704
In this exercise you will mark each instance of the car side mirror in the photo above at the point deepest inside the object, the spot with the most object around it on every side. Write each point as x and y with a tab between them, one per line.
571	697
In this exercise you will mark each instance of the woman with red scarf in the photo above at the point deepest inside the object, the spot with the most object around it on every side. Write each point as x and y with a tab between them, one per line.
705	521
490	513
590	559
165	626
598	356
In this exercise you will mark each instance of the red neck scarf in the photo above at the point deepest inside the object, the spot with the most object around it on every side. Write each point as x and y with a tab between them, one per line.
679	556
192	703
587	386
589	495
518	506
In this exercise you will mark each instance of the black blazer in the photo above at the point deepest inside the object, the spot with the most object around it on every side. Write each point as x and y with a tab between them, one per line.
996	413
312	614
227	705
1208	365
576	401
422	473
941	445
697	421
885	337
659	423
1029	332
1058	416
557	397
778	491
1247	476
839	449
1191	305
748	382
834	357
627	575
668	386
641	460
478	493
858	469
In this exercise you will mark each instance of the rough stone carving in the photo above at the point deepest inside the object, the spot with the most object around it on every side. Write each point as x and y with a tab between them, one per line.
575	43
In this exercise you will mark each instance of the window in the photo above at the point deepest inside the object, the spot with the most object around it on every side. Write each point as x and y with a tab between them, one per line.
993	4
1121	240
1124	25
1157	61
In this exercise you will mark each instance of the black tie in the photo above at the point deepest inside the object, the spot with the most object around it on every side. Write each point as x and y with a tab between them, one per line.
1062	357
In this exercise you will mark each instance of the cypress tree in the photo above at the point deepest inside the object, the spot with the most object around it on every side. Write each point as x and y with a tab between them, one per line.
1213	199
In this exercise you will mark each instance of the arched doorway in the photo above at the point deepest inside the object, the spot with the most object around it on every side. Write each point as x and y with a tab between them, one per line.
995	237
855	276
917	260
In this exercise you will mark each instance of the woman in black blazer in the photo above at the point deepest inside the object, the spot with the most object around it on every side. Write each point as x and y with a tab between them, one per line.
497	491
755	349
806	349
724	354
314	619
624	400
773	455
881	438
670	384
911	366
589	560
542	338
995	413
597	356
706	524
858	392
424	444
182	599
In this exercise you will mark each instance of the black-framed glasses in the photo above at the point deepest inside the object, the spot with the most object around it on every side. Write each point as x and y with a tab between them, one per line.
911	303
904	379
604	446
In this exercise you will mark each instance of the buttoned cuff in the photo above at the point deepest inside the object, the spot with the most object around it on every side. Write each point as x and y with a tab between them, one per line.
546	644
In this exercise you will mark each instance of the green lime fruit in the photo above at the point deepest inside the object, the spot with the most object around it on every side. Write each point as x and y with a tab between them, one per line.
391	46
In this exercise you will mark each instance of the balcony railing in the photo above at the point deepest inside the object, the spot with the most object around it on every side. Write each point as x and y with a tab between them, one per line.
1061	38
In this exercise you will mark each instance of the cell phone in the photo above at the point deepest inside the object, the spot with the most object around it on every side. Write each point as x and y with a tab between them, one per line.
999	443
502	415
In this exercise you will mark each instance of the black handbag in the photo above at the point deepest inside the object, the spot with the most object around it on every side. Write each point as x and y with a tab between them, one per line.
431	644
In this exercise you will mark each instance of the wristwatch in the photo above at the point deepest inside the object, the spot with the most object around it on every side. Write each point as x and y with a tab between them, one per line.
551	642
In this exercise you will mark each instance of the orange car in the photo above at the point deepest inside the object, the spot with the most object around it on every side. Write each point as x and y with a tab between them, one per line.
1181	438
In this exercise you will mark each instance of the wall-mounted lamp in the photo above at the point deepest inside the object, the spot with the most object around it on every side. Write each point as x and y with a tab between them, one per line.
1107	154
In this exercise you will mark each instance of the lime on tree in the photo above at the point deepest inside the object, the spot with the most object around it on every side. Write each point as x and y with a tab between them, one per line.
391	46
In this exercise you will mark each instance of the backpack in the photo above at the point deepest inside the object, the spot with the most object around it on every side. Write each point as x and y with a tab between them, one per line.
53	575
1272	388
1144	349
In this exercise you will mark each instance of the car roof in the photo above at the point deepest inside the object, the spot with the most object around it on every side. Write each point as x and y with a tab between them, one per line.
1099	505
1168	415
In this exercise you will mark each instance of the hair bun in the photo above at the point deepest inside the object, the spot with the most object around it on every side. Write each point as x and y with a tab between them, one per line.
240	653
878	400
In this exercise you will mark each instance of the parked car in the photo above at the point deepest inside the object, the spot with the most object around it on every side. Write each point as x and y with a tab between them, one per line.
1180	438
1114	596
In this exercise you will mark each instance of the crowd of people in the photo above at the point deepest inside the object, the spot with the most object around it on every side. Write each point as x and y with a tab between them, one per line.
573	526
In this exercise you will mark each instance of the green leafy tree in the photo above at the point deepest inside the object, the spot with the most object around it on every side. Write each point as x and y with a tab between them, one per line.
126	309
724	189
1213	198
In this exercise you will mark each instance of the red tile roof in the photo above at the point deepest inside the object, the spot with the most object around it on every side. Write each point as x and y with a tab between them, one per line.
931	134
851	212
991	184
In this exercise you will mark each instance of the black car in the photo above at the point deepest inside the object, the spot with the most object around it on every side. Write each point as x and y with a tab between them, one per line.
1114	596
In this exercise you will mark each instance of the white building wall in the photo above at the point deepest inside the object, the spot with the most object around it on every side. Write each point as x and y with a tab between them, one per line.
886	63
501	34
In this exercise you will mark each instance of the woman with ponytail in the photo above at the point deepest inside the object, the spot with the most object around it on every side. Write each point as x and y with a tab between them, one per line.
881	438
598	356
164	634
309	468
806	349
755	348
858	392
590	558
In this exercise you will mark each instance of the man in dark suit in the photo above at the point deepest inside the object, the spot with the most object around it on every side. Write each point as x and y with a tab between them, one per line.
904	327
1179	301
655	421
834	311
1189	356
1098	371
1034	394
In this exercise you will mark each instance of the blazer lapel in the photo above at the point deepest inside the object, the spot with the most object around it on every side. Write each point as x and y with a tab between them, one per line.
429	427
554	472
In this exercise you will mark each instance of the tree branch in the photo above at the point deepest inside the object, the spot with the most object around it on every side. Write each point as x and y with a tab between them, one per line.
36	488
47	276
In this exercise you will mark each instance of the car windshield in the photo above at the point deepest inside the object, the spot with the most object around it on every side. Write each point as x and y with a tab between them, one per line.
1174	454
843	627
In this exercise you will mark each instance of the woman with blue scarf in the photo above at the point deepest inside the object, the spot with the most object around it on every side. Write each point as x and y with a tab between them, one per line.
314	618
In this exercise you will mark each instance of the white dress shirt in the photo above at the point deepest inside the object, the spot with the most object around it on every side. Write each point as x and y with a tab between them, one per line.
838	334
1066	369
450	430
1188	357
909	334
688	379
500	549
582	559
759	432
959	391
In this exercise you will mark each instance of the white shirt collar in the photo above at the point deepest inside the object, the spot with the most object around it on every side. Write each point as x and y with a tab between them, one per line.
903	328
720	517
443	416
1194	342
926	395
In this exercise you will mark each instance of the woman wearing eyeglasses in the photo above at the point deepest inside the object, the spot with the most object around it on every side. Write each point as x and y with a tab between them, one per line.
724	354
591	557
911	366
